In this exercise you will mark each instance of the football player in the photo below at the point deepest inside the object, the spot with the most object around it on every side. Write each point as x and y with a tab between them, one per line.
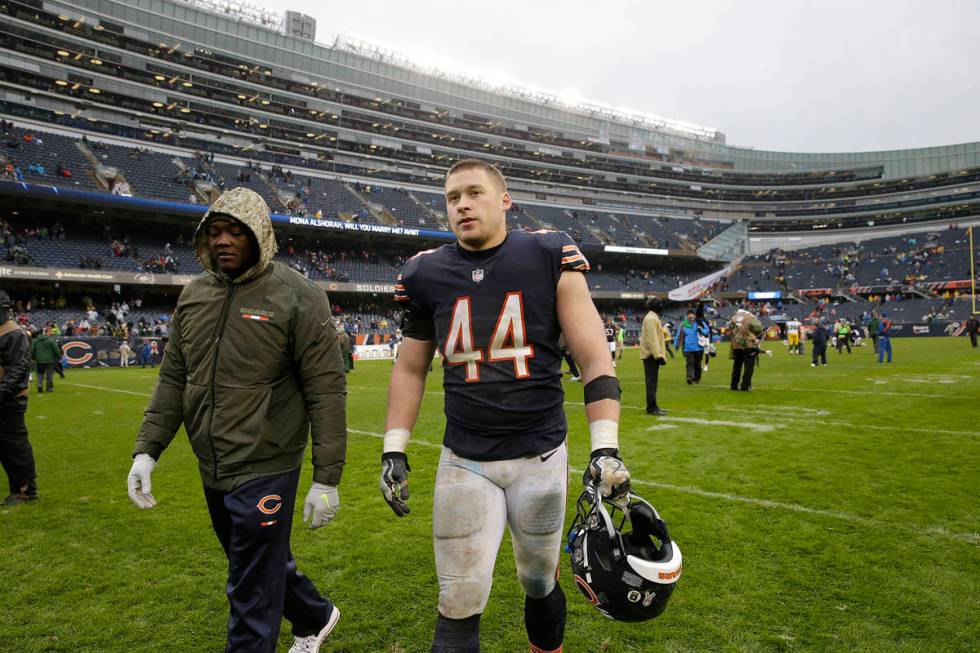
494	303
793	327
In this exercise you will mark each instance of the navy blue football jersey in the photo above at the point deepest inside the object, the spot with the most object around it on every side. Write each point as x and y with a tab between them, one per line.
493	316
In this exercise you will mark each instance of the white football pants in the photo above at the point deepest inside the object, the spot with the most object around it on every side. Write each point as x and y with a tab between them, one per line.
472	502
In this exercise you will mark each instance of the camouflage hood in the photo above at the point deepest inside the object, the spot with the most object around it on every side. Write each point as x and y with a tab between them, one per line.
250	209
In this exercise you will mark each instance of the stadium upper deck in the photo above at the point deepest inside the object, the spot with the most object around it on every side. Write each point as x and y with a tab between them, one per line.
157	70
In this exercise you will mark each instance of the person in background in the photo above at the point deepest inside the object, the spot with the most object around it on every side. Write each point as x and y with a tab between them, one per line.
746	330
668	339
819	335
973	330
611	340
884	338
146	354
346	348
873	330
620	338
567	356
843	336
16	454
125	351
689	338
653	353
793	327
47	354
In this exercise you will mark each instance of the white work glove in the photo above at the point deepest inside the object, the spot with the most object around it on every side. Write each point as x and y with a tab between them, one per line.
139	480
320	507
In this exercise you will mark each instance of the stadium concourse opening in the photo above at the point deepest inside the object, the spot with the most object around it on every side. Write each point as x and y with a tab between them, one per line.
121	122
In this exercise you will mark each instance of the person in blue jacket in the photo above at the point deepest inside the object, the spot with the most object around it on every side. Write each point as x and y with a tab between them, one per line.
691	337
884	338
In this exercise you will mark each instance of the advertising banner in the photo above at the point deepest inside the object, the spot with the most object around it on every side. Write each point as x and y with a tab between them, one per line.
103	351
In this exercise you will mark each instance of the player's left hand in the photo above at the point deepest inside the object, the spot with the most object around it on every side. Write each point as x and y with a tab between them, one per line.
321	505
608	472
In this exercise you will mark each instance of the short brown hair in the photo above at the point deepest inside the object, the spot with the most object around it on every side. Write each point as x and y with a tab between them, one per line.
492	170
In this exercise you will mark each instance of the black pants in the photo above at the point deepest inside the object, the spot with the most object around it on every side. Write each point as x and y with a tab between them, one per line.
253	523
973	338
45	372
820	351
572	368
693	361
843	341
651	373
16	455
743	365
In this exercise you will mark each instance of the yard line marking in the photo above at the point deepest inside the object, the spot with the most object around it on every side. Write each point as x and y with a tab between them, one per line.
100	387
807	413
846	392
971	538
871	427
755	426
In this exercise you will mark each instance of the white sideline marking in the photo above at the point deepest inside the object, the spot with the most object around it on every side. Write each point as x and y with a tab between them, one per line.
755	426
662	427
971	538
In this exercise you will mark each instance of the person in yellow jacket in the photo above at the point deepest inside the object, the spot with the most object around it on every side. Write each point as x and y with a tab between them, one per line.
653	351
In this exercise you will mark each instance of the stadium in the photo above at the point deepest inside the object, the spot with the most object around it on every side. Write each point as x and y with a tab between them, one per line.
832	508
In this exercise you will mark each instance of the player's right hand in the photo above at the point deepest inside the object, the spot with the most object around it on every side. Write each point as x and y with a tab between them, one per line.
139	481
394	481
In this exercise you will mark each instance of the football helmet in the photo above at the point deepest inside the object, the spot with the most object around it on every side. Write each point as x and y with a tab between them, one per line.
628	576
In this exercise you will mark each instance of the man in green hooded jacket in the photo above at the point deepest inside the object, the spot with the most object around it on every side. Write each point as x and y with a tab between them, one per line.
47	354
252	366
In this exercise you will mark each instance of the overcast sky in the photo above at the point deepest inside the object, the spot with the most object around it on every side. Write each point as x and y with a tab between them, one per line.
815	76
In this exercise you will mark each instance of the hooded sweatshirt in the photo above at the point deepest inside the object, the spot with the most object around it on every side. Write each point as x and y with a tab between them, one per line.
252	366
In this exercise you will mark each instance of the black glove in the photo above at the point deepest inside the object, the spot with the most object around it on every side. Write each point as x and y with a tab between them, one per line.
662	361
608	472
394	481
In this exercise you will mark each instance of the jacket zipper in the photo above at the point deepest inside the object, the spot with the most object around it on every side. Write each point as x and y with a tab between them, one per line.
219	331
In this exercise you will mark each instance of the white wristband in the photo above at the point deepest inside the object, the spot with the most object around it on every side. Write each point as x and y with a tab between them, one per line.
605	434
396	440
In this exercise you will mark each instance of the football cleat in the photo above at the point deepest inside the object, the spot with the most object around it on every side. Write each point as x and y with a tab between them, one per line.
627	576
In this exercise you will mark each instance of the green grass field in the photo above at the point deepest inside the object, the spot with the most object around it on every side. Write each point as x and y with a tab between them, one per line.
832	509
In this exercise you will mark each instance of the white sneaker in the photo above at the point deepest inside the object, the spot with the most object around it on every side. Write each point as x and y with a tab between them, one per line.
813	364
311	643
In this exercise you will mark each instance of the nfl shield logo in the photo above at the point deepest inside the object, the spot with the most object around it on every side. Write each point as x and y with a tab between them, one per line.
477	275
